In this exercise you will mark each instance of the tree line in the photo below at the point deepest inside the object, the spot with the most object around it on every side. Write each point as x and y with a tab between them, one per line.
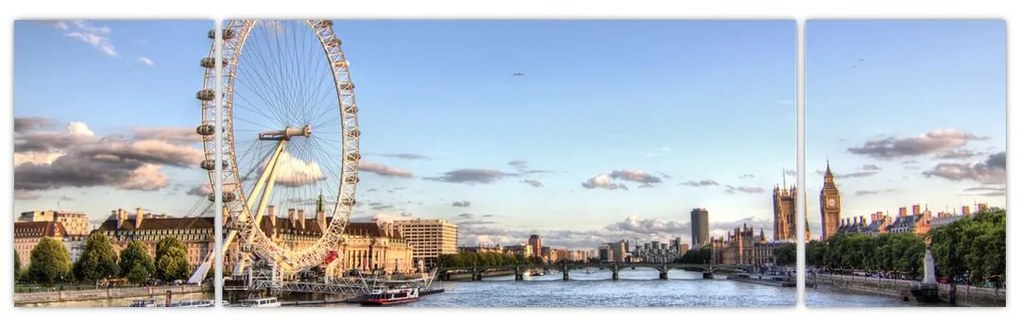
969	250
485	259
50	262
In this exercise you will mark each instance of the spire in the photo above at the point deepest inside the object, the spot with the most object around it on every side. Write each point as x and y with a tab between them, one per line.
784	178
320	204
828	173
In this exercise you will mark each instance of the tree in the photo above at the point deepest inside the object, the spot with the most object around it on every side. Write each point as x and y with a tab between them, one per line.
171	260
138	273
815	252
786	255
135	261
97	259
700	256
49	262
17	265
973	247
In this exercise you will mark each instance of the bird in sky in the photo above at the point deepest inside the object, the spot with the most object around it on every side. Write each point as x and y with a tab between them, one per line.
518	74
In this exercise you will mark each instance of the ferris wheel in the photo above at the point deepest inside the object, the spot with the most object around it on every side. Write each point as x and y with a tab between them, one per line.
289	137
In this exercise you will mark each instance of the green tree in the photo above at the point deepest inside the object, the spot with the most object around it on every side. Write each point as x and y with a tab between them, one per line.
972	247
171	260
135	260
700	256
786	255
97	259
17	265
814	253
138	273
49	262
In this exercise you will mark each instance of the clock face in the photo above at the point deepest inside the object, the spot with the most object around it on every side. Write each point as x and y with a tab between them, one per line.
831	203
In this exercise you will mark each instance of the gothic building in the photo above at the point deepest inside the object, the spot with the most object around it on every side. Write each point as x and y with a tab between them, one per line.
829	203
784	209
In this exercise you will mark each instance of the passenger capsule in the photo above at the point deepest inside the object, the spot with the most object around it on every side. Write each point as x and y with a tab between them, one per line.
353	156
347	201
210	62
342	64
351	179
206	95
326	23
227	34
206	130
227	197
334	42
351	109
347	85
211	164
354	133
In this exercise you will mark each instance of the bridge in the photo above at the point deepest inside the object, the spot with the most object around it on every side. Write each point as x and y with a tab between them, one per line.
707	270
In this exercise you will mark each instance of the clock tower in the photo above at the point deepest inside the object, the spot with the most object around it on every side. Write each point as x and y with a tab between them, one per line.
830	204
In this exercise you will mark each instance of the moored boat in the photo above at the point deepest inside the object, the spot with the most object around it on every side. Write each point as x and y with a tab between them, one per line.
391	297
259	302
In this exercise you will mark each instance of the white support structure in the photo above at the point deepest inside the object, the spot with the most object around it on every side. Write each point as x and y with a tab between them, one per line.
239	203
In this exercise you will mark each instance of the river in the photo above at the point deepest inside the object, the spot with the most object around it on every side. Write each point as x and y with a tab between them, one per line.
594	288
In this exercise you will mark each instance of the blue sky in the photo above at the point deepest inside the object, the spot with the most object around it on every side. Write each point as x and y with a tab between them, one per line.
110	78
653	106
928	95
693	100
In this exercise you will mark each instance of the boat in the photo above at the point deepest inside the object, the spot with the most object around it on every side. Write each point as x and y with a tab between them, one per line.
192	303
145	303
258	302
153	303
391	297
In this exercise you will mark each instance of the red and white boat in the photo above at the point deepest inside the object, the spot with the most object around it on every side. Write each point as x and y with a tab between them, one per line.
391	297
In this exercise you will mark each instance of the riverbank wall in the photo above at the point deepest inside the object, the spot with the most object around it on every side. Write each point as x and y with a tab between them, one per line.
763	281
24	298
965	295
467	276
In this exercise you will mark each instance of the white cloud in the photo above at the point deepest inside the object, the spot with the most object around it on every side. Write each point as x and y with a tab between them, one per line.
96	36
295	172
146	61
146	177
602	181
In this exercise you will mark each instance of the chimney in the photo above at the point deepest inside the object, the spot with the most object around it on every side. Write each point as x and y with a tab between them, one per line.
966	210
115	214
903	212
138	218
301	217
917	209
272	215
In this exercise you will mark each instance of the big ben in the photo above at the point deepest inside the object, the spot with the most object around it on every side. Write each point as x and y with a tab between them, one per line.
830	205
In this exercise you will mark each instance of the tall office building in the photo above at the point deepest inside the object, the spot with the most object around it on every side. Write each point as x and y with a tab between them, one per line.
536	245
429	238
699	227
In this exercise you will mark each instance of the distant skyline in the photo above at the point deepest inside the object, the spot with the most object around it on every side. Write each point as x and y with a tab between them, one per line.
907	112
580	131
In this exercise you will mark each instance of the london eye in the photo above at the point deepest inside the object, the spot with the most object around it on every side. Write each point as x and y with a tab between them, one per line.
289	138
